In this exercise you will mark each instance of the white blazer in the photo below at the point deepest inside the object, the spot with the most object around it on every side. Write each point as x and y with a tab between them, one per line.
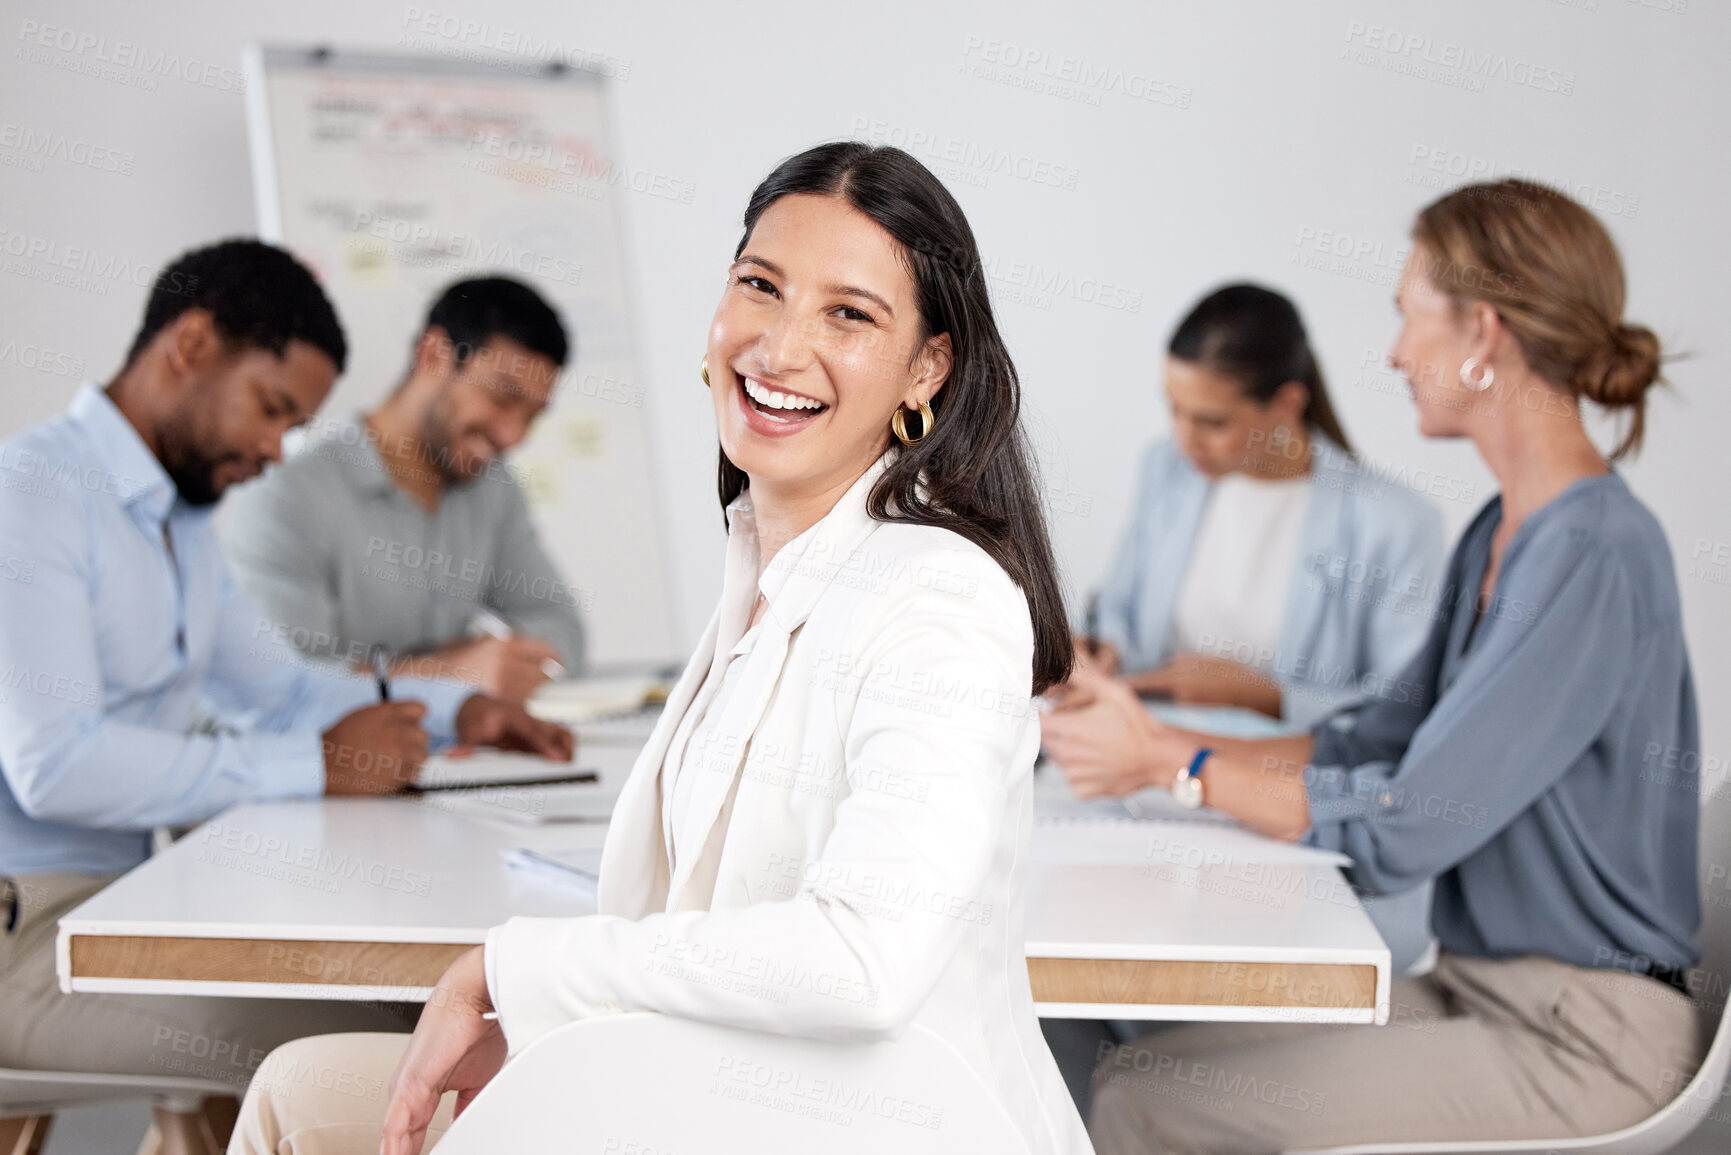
872	872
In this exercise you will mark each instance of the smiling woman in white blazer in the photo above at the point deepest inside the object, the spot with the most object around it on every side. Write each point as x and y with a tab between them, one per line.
826	834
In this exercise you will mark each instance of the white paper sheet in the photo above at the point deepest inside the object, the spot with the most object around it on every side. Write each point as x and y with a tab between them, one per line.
531	805
1077	840
576	868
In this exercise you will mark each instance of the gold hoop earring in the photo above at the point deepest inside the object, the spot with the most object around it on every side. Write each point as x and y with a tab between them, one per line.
703	370
1476	384
899	424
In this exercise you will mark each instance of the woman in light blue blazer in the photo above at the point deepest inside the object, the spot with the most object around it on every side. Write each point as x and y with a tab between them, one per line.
1265	566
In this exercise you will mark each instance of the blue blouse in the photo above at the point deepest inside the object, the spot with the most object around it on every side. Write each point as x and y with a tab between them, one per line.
1540	762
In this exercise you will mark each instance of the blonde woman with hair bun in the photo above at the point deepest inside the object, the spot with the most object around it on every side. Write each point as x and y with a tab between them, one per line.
1518	774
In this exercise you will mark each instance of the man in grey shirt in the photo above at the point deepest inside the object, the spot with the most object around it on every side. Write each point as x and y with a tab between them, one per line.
403	529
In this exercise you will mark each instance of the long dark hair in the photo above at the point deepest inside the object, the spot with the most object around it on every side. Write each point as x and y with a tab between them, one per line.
1254	336
971	473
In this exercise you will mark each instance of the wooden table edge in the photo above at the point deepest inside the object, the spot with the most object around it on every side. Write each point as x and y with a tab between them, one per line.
314	963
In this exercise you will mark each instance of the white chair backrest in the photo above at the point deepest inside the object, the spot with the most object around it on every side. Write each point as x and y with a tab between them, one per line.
642	1084
1703	1095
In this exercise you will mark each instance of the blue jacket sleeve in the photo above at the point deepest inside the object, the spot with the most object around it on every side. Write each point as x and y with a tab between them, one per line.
1115	608
1404	601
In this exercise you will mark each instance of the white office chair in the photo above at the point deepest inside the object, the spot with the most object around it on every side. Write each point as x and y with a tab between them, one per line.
29	1100
657	1084
1668	1126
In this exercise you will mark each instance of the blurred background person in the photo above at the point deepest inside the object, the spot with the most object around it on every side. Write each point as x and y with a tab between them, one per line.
1518	774
1261	568
139	690
403	528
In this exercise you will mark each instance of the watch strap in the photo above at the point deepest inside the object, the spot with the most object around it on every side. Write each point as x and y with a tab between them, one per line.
1195	767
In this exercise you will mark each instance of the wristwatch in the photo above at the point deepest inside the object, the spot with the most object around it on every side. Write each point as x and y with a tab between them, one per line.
1187	787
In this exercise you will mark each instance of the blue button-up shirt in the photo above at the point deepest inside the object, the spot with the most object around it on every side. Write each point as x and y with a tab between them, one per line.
1542	762
138	687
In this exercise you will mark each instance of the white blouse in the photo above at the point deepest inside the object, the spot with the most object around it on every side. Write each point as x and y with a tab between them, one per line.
1232	603
702	744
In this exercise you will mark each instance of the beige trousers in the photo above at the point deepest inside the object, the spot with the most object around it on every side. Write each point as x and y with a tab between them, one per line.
1525	1048
221	1039
325	1096
1480	1049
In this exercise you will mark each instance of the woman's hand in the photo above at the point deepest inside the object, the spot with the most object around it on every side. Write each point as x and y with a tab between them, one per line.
1094	660
1199	680
453	1049
1097	655
1108	745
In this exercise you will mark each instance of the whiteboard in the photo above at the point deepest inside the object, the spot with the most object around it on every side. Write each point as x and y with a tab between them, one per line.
392	176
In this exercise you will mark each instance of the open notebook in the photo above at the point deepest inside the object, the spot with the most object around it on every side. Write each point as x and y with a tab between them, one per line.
491	768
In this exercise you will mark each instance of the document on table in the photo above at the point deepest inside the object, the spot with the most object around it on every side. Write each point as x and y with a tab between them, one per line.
576	869
532	805
488	767
1070	839
574	701
632	729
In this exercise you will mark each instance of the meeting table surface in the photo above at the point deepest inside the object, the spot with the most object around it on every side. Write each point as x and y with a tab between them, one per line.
371	898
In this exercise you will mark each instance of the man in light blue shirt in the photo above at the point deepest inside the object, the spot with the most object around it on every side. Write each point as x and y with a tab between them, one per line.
138	687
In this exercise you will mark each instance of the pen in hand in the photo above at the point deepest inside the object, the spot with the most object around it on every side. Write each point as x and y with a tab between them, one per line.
382	672
491	624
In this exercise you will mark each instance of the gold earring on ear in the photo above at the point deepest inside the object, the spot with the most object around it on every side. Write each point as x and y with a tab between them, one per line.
899	424
703	370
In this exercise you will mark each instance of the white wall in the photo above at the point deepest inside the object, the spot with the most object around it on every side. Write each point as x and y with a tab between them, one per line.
1227	140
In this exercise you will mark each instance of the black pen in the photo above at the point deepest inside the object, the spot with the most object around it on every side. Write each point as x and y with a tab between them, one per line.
381	671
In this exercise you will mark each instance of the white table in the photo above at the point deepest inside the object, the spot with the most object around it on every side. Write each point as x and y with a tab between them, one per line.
1237	943
372	899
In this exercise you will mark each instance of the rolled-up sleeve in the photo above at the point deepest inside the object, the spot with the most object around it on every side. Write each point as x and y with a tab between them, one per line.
1526	703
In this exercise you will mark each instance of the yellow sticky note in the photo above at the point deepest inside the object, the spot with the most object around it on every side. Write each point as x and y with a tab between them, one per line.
540	481
368	259
583	436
